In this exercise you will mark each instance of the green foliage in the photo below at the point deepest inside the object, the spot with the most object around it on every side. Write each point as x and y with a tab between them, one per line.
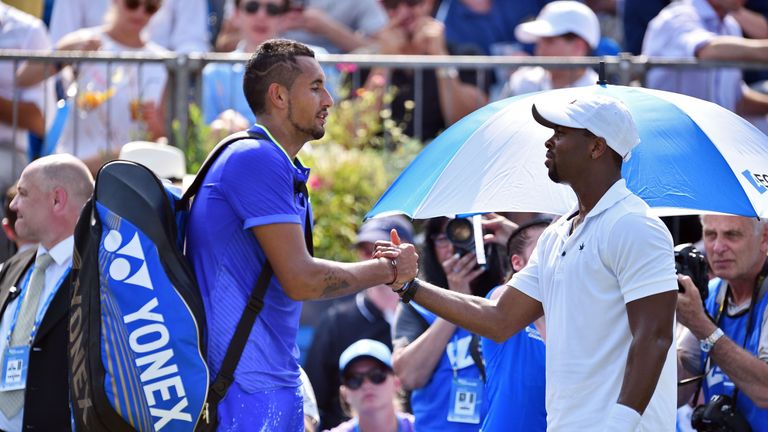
344	184
199	140
362	152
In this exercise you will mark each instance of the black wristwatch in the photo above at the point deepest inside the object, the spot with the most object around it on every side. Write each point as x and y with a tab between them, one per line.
409	290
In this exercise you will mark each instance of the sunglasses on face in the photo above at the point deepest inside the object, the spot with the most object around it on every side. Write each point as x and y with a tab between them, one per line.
354	381
272	9
150	7
392	4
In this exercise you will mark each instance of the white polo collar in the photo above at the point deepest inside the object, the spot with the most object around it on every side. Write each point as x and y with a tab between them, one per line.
617	192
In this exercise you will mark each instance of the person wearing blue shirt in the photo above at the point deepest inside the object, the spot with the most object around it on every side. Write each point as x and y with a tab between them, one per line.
486	22
731	348
247	213
515	384
441	362
223	101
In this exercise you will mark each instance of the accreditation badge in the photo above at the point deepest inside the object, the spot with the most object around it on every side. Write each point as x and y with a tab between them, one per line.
14	368
466	400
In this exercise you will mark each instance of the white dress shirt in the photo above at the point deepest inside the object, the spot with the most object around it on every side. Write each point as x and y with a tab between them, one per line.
680	30
18	30
179	25
533	79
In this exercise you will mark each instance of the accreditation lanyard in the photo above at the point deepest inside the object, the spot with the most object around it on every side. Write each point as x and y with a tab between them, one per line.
41	312
466	393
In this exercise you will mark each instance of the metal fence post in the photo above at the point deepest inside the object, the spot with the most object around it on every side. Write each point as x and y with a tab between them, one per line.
181	99
625	68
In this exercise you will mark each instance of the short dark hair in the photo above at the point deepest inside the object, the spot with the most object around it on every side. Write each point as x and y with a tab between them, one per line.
570	37
273	62
520	237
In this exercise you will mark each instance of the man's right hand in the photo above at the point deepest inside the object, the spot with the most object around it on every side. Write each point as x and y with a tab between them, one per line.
690	309
403	254
498	229
393	38
460	271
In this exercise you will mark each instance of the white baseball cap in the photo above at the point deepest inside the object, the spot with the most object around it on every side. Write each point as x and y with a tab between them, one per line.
165	161
365	348
559	18
604	116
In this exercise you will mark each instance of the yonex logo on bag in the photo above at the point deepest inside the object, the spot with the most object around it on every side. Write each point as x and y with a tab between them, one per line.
148	335
77	352
120	268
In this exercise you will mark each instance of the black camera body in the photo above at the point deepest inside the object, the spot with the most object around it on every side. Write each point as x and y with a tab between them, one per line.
692	263
462	235
719	415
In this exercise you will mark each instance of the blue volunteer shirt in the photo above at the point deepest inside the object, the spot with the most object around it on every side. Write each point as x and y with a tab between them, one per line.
250	184
716	381
515	382
431	403
223	90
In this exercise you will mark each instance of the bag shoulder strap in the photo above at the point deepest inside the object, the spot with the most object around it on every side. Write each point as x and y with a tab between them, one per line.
226	375
193	188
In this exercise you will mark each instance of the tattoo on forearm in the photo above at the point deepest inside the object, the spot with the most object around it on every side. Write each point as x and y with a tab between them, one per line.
333	283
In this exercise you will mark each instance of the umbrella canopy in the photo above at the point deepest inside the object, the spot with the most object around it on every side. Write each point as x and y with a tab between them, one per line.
694	157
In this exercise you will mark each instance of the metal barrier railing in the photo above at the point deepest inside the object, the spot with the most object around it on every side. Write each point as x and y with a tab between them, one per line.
184	70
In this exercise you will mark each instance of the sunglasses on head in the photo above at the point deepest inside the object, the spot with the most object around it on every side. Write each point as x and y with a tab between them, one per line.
272	9
150	7
391	4
354	381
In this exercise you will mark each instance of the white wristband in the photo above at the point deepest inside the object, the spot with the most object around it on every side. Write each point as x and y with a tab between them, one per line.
621	418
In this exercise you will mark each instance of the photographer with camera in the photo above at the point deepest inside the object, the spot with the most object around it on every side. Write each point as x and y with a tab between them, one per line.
435	359
727	335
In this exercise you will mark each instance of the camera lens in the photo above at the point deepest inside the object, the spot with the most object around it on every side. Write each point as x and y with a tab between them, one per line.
461	235
459	230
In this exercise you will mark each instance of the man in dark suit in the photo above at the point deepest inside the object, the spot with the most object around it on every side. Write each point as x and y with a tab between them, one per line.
34	298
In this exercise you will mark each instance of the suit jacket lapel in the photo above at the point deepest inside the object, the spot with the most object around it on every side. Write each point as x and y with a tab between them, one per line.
58	308
12	273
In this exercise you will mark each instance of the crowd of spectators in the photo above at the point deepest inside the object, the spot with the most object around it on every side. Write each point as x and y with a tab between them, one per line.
408	350
105	94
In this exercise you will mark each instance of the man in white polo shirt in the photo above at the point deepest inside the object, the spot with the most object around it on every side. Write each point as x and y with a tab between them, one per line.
603	275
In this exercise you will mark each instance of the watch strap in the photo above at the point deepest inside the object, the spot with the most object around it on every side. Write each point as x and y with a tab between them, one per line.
707	344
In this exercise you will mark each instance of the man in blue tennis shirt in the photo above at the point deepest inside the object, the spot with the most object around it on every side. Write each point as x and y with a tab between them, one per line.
247	212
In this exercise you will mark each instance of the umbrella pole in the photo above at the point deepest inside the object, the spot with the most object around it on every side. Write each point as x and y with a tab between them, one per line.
601	74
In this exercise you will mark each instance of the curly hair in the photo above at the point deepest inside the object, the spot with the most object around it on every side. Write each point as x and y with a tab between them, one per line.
273	62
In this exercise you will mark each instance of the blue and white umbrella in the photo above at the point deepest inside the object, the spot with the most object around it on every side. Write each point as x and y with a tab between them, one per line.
694	157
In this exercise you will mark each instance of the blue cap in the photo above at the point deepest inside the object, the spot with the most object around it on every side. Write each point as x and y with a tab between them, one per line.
365	348
379	228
